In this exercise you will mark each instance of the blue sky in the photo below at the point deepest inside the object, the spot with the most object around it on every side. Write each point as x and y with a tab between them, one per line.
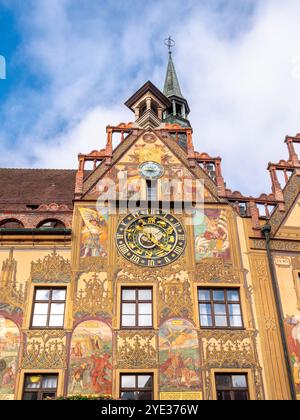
71	64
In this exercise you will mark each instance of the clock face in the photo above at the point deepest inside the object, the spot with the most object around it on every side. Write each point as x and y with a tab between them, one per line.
151	170
151	240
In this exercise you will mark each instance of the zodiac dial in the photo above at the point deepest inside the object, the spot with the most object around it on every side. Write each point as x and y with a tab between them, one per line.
151	239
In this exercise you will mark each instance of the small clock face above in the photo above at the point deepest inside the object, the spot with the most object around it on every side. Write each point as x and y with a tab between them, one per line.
151	240
151	170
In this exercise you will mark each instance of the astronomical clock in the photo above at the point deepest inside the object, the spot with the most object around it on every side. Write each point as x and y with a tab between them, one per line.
151	238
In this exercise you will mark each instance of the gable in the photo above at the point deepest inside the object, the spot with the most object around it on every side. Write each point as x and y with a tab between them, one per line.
178	180
290	227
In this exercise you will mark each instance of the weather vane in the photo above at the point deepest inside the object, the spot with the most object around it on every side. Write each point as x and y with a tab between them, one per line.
170	43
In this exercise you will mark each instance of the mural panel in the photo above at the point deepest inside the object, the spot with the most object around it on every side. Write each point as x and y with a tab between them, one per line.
94	233
292	325
91	359
211	234
179	357
9	347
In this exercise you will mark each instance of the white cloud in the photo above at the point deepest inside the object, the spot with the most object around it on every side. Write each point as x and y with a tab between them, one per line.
242	88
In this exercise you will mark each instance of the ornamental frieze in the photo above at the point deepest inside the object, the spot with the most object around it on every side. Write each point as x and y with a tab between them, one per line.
137	350
175	298
277	245
217	271
93	296
52	269
129	272
222	349
92	264
44	350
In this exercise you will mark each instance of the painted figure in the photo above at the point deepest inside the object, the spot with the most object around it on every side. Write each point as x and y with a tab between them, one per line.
292	326
94	234
211	235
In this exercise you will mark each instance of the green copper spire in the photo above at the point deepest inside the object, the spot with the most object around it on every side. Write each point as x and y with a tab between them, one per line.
172	87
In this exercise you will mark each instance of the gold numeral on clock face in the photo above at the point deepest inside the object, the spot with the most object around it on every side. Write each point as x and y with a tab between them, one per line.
123	249
178	250
151	263
135	259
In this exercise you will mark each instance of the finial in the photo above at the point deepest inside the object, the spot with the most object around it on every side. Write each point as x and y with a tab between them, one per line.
170	43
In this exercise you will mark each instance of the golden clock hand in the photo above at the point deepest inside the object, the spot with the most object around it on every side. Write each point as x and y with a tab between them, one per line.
151	237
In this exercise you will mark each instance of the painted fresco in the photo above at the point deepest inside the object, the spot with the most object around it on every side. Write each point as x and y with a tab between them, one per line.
126	173
179	357
292	325
91	359
9	347
211	234
94	233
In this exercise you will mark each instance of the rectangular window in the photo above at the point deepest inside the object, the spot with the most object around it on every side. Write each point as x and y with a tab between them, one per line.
136	387
220	308
136	311
152	190
49	308
40	387
232	387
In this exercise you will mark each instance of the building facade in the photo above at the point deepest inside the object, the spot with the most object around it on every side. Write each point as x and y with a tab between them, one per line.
145	277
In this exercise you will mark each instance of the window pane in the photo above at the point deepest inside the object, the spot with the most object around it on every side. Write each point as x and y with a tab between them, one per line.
57	308
128	309
50	382
59	295
241	395
145	381
129	396
33	382
204	295
220	309
42	294
48	395
56	321
145	321
206	321
128	294
219	295
30	396
128	321
236	321
221	321
128	381
145	294
41	309
205	309
223	381
144	396
239	381
233	295
39	321
145	308
234	309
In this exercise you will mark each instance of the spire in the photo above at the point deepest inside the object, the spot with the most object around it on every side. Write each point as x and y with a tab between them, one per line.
172	87
179	111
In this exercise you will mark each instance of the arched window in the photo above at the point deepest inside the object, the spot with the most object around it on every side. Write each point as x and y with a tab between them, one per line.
11	224
51	224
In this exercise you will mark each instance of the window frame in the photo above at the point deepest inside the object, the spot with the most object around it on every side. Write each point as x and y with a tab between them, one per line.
137	389
232	389
225	302
40	391
136	302
49	302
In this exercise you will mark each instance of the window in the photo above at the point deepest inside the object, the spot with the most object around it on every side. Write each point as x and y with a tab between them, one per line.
220	308
49	308
51	224
40	387
152	190
136	311
11	224
137	387
232	387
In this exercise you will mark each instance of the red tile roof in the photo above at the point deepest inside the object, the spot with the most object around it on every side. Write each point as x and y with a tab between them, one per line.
36	187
